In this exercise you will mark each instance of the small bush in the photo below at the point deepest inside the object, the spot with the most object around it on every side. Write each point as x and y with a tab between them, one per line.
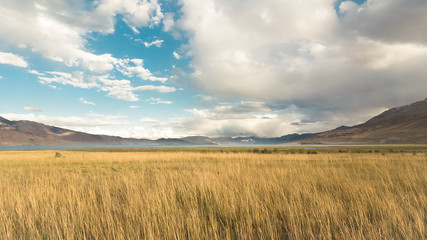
265	150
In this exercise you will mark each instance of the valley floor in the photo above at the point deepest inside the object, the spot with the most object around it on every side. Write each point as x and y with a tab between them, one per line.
214	194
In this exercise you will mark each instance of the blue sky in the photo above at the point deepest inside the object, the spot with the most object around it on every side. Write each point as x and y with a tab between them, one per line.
151	69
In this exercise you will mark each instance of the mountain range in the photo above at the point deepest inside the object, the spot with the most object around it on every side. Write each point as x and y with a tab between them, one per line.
29	133
401	125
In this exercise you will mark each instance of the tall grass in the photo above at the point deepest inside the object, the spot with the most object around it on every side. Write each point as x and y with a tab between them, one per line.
212	195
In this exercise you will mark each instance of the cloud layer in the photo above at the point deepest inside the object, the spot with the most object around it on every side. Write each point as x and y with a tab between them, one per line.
119	89
305	53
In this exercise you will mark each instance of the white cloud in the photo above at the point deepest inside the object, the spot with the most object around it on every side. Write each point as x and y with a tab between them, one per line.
243	110
206	98
134	107
87	102
149	120
122	92
134	67
107	117
32	109
75	79
158	101
35	72
70	122
162	88
136	31
176	55
1	77
119	89
157	43
168	22
12	59
132	131
97	63
378	55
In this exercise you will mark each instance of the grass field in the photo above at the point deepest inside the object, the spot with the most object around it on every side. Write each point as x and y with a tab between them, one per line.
216	194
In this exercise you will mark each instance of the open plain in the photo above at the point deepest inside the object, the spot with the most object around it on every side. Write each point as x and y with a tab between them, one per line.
230	193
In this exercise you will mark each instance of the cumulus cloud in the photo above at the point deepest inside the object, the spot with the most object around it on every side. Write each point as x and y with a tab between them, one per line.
391	21
304	53
12	59
168	22
35	72
32	109
135	67
157	43
176	55
134	107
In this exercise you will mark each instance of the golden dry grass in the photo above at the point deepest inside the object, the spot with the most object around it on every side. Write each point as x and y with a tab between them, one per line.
212	195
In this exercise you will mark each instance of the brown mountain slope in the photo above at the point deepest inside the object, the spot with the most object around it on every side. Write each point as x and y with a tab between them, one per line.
21	133
406	124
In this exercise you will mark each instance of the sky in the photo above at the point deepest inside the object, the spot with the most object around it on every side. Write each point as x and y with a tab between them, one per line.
175	68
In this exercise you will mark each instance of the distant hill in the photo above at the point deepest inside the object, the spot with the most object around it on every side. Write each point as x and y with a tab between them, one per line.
29	133
406	124
400	125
